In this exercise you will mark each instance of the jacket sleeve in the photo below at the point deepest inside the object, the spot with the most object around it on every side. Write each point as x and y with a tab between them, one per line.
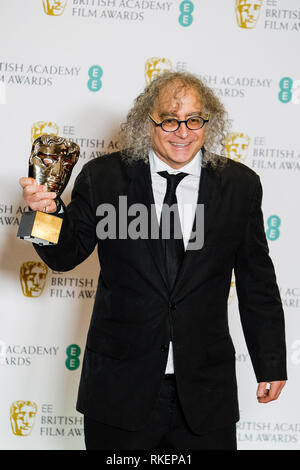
77	239
259	300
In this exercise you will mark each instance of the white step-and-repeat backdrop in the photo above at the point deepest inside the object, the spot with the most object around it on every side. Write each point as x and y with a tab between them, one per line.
73	68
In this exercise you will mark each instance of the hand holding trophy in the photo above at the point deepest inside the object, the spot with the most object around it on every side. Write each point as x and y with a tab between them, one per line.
51	162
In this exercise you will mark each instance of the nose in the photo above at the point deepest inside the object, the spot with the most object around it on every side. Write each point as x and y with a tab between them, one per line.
182	131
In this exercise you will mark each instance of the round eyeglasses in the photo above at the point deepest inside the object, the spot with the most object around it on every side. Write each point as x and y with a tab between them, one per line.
171	124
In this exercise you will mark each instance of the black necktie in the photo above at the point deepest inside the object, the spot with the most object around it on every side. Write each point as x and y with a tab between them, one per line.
173	247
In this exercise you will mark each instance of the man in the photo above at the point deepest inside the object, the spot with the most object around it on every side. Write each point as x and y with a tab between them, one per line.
159	363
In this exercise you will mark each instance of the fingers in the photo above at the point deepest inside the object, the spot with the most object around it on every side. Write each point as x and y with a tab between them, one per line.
24	181
269	391
262	391
36	196
44	205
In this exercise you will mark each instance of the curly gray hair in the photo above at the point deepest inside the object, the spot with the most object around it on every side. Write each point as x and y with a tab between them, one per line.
134	137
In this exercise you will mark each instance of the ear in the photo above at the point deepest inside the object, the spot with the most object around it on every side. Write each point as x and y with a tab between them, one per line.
149	128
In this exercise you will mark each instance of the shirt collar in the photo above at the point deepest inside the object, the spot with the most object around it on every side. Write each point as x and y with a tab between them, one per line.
191	168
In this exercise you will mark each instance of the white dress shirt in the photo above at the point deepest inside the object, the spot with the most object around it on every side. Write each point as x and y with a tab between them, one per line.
187	195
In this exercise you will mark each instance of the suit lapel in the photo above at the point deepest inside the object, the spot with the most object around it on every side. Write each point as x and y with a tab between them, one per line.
140	191
209	195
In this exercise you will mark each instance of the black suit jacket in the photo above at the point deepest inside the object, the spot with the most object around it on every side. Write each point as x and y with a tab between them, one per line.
135	315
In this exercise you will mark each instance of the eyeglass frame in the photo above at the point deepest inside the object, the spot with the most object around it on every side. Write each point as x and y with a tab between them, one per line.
159	124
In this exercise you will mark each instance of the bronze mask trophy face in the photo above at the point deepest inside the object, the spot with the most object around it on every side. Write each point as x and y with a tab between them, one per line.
51	162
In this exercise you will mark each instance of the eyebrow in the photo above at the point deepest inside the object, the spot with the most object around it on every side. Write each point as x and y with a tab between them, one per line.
164	115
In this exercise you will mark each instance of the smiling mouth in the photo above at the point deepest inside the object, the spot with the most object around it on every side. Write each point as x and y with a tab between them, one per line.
176	144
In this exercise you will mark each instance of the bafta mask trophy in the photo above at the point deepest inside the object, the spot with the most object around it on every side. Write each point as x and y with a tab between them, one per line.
51	163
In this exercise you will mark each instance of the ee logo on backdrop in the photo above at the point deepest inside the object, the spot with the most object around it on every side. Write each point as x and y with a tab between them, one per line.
95	73
289	90
273	224
186	9
73	352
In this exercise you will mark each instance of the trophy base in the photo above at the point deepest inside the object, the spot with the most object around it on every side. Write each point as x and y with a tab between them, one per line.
39	227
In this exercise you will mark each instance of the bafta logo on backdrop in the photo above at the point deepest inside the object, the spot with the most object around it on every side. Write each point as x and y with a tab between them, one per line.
54	7
33	278
237	145
22	417
155	66
247	13
42	127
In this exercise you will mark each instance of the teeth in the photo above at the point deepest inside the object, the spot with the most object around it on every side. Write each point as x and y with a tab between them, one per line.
179	145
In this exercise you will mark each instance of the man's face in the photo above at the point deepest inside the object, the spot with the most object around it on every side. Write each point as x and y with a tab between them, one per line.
179	147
